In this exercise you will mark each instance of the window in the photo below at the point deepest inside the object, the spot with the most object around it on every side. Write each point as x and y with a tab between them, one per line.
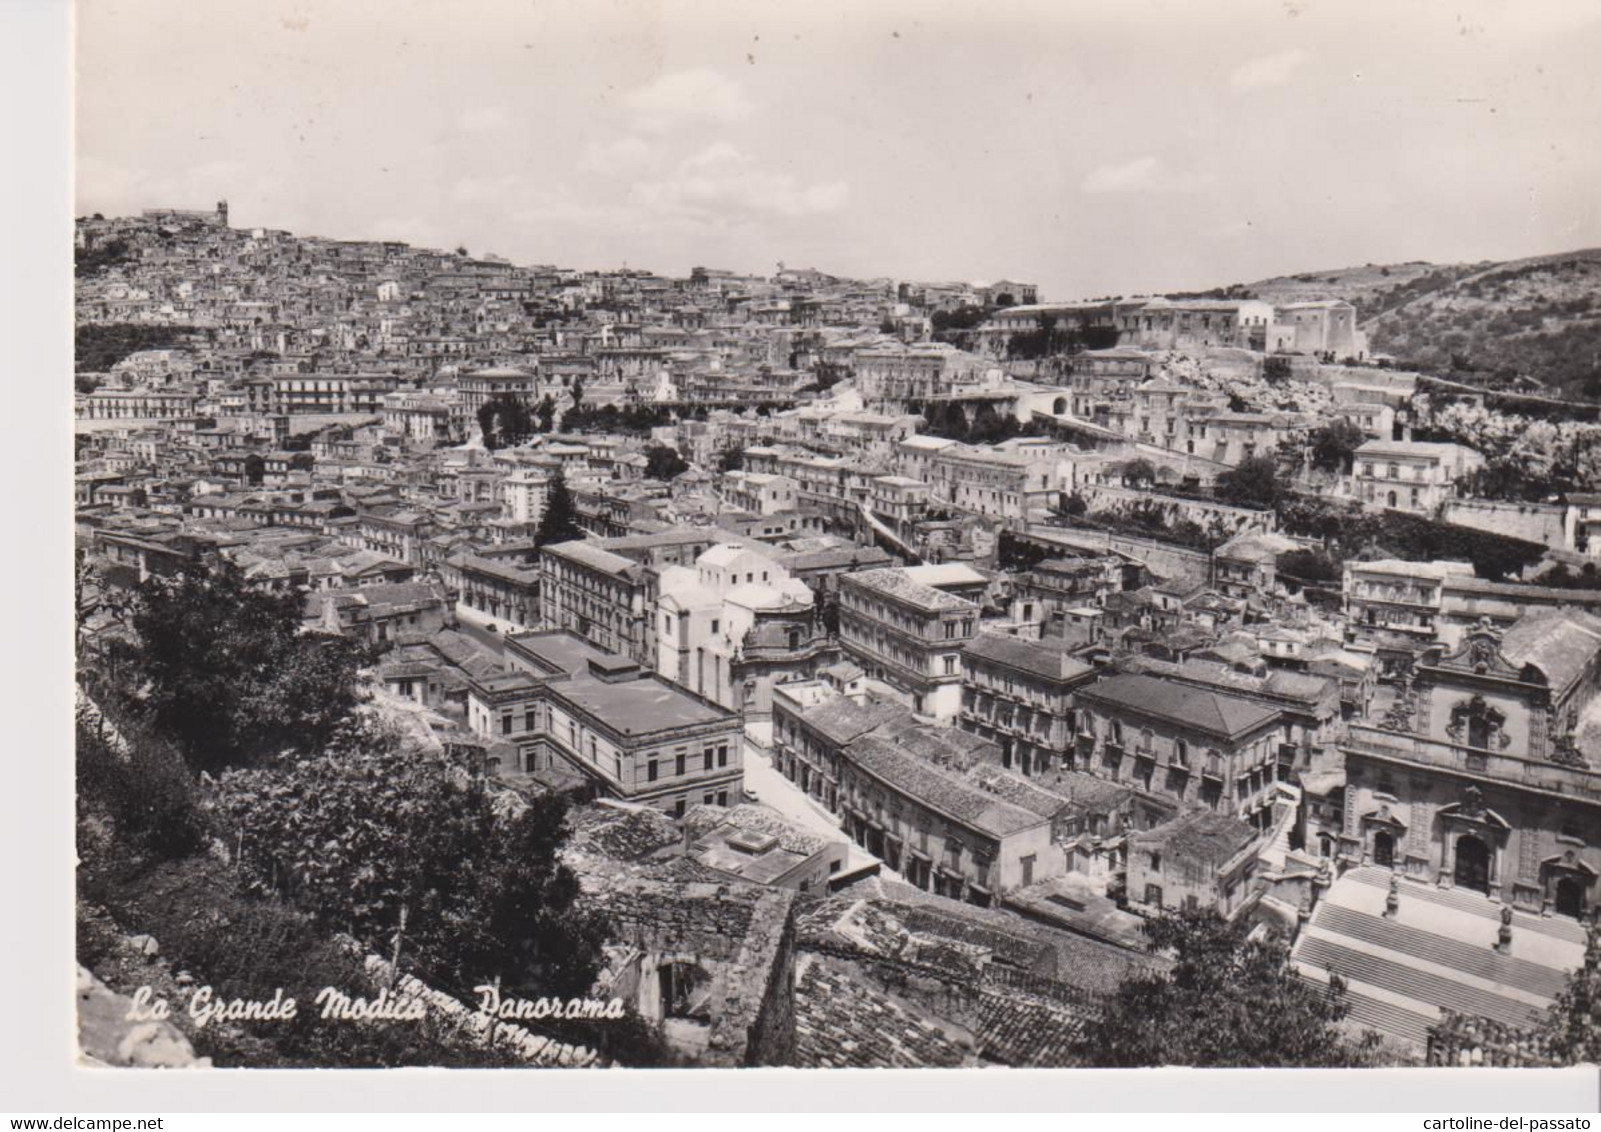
722	755
1155	861
528	720
708	758
1028	869
716	626
650	771
678	767
505	725
678	808
1181	753
722	797
709	799
950	666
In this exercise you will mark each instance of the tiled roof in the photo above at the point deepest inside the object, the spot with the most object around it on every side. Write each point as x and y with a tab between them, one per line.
1026	1032
895	582
844	1022
841	720
1201	836
1034	657
1225	716
1561	644
915	778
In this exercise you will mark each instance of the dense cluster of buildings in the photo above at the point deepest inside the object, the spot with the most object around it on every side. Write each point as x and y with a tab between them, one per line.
849	705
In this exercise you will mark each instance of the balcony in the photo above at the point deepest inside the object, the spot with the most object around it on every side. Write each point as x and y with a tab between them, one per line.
1213	769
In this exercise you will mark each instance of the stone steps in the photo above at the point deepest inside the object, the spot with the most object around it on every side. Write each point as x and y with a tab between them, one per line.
1458	955
1474	903
1356	967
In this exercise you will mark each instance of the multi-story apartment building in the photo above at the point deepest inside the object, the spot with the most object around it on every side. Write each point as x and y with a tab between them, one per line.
569	706
594	594
812	723
1019	695
477	387
759	493
135	404
1411	475
400	534
908	635
1005	485
943	831
1057	586
1195	746
329	394
503	592
1393	607
939	830
1485	775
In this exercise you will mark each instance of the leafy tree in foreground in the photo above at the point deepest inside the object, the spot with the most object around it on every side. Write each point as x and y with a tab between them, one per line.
559	523
1228	1001
408	852
228	675
1573	1025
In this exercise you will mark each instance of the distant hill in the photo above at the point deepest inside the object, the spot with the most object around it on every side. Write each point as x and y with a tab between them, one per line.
1482	323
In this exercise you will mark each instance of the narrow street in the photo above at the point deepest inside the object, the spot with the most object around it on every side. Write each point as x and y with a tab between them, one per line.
778	793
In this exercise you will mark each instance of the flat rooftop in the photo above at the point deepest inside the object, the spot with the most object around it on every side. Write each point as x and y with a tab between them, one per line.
636	706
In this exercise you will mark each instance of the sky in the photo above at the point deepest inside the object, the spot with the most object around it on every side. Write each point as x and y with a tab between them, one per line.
1094	148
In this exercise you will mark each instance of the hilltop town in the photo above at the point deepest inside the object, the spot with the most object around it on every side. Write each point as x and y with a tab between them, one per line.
899	653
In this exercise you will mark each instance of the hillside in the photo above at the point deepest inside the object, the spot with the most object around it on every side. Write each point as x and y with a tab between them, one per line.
1485	323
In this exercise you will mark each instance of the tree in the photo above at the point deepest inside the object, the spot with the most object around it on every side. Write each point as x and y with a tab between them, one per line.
1335	443
578	391
664	463
731	460
1139	472
1227	1001
546	413
226	673
559	523
1572	1027
505	422
1253	482
255	469
409	852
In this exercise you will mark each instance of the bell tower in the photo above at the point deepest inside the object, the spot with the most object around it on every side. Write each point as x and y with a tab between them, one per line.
222	213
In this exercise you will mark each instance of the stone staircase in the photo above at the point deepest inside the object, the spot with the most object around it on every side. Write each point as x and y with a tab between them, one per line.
1359	966
1557	927
1437	953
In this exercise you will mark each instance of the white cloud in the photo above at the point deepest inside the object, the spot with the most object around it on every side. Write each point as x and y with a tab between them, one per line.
1268	70
697	95
722	182
1143	175
614	158
483	119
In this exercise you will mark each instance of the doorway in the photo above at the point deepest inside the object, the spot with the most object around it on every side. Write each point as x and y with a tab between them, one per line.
1472	864
1570	897
1384	850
